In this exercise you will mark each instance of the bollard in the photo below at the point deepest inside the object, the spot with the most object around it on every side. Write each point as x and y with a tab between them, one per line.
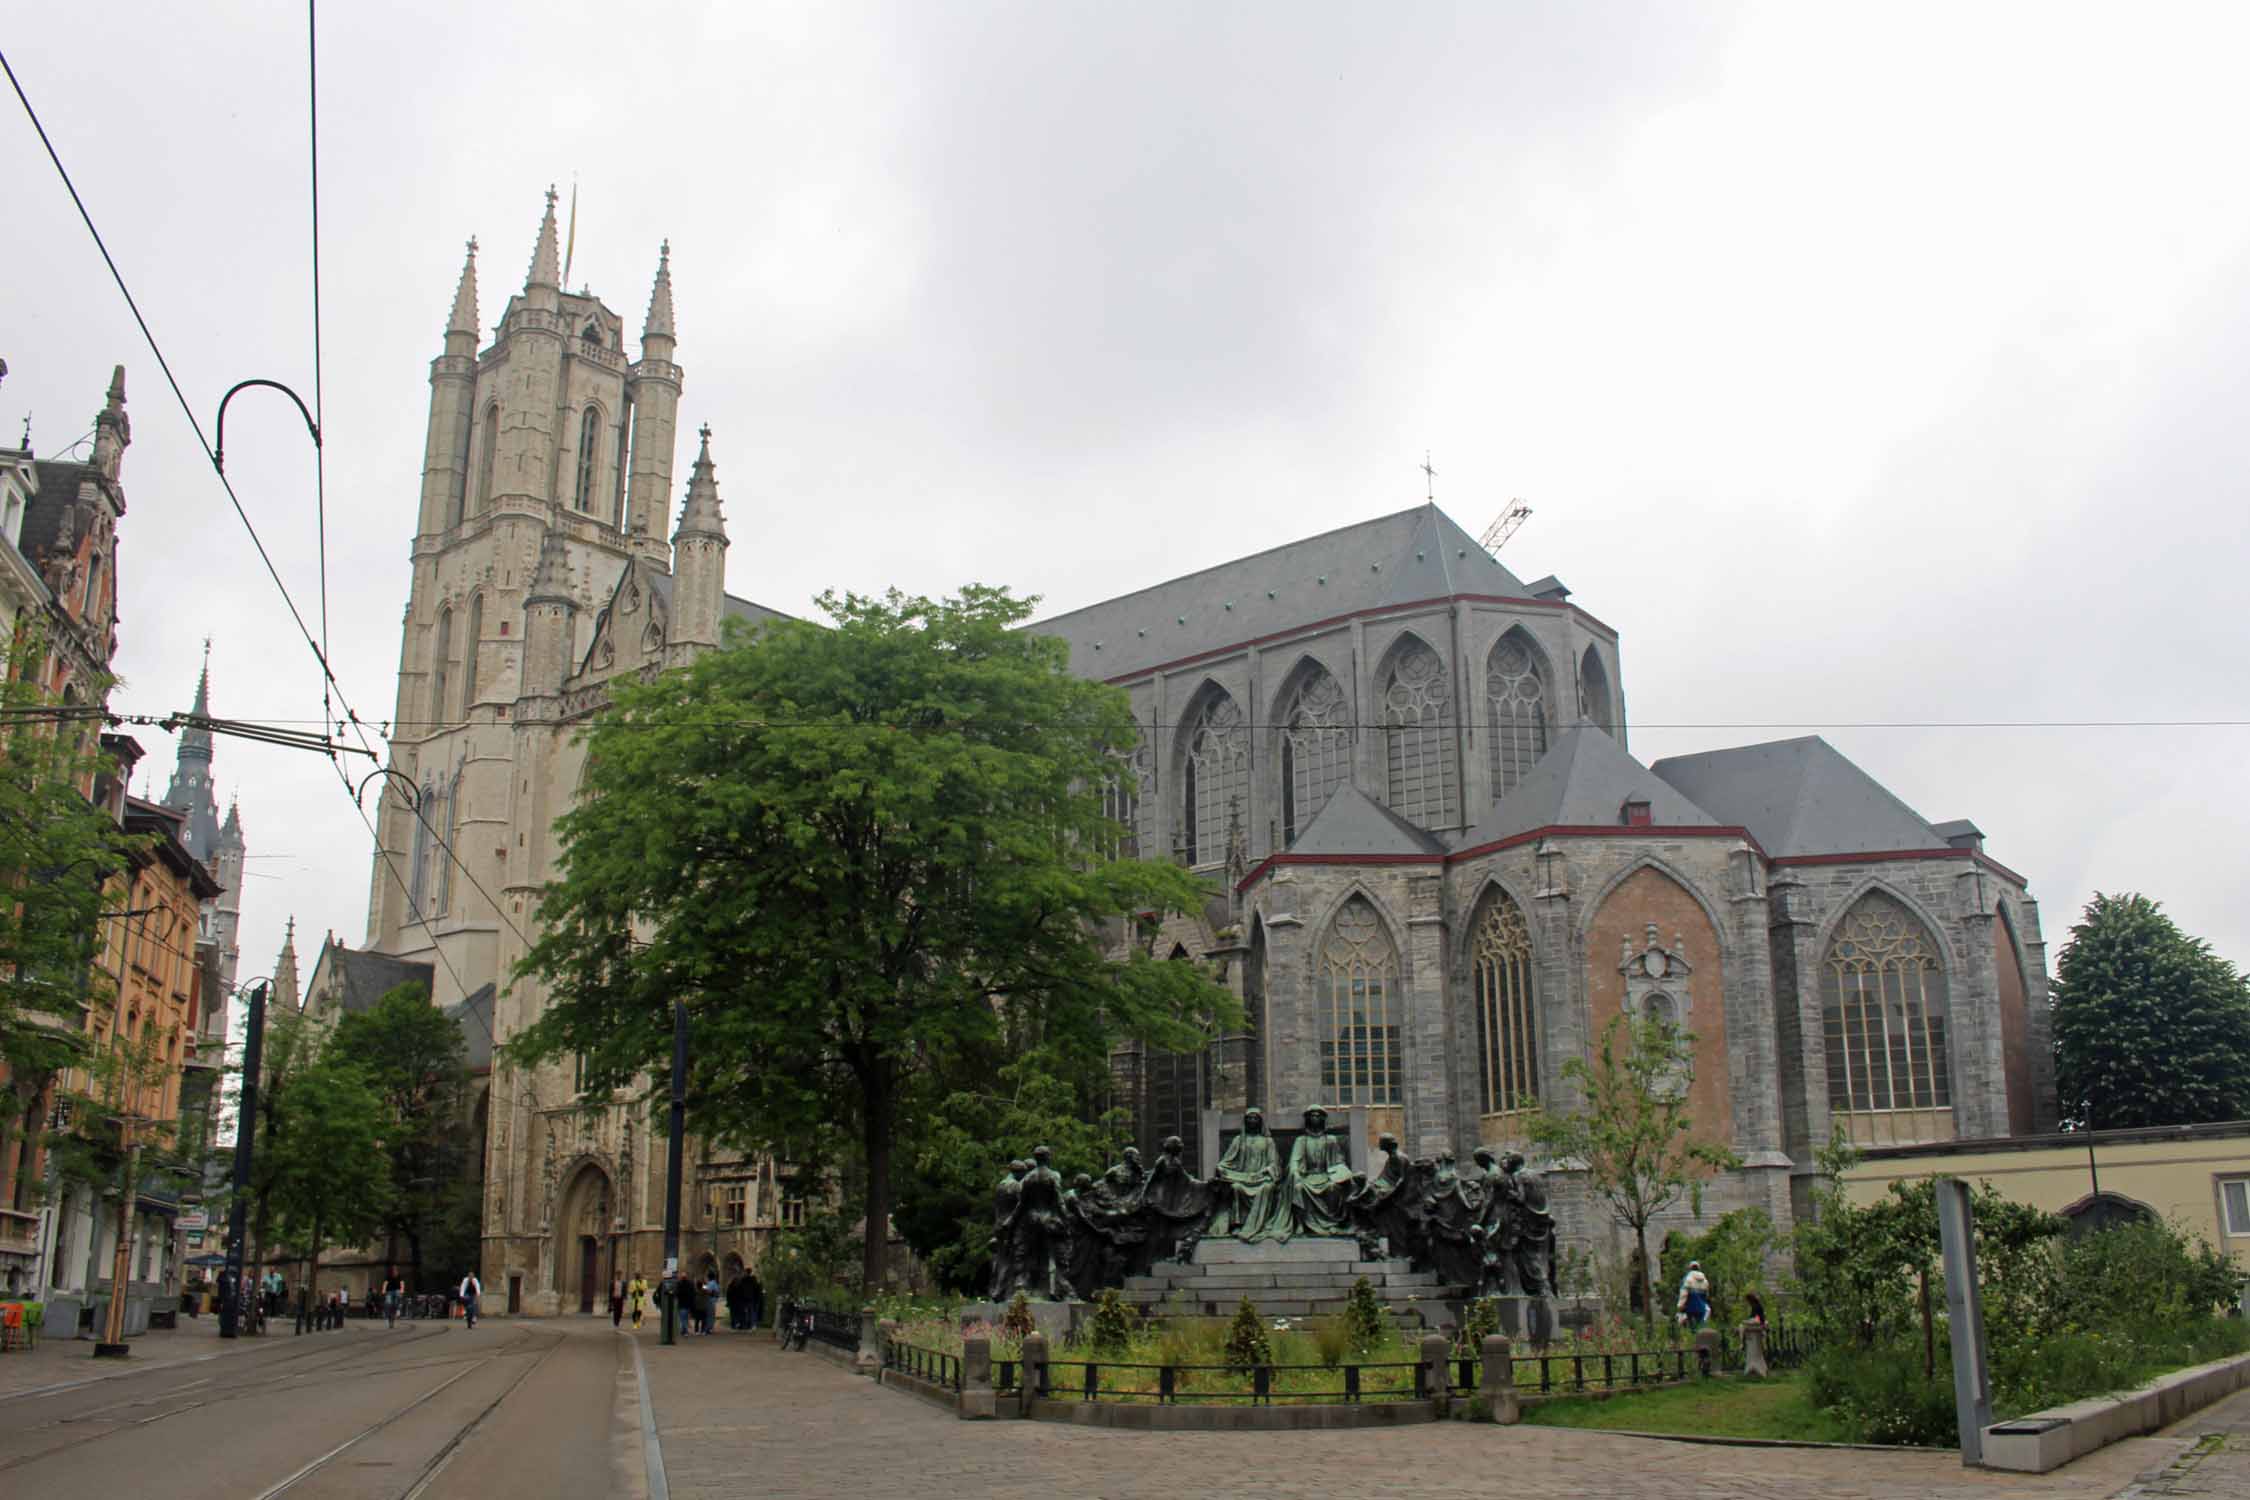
1754	1350
1499	1390
978	1401
869	1360
1435	1352
1707	1351
1033	1380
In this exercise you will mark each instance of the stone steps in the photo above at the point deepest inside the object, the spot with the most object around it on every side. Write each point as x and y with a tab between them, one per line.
1270	1252
1203	1286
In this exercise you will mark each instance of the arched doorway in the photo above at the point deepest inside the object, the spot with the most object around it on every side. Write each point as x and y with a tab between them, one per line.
581	1232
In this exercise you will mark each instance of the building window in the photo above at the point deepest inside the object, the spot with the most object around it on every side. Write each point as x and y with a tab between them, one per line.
1518	707
734	1204
418	872
1593	693
1507	1038
624	438
469	655
1316	750
2234	1193
1360	1061
1121	804
1214	778
1424	775
441	666
792	1209
1883	1009
485	456
589	444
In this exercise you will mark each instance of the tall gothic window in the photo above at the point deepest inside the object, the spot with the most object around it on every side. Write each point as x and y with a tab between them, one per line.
1424	769
1594	700
1214	778
441	666
444	820
589	444
1518	698
624	437
469	654
1360	1061
1121	803
1883	1009
418	869
485	457
1507	1035
1316	750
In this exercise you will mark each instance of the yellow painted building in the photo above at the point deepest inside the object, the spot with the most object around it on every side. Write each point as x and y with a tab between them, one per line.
2196	1176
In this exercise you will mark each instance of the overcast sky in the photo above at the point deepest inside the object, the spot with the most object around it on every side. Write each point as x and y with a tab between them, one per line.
1881	365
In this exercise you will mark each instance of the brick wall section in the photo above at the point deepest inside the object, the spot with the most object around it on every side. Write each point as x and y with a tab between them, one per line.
1649	895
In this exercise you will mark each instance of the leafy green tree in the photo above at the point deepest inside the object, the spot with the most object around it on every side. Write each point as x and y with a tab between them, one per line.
331	1178
2151	1026
856	855
413	1055
997	1113
1733	1253
1634	1137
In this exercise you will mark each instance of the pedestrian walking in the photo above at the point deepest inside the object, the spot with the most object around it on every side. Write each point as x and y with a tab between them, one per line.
616	1300
1695	1296
394	1292
636	1292
471	1290
710	1302
738	1301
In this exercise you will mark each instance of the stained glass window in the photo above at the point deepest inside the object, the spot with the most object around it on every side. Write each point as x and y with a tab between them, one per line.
1360	1062
1507	1037
1214	779
1518	699
1316	750
1424	772
1883	1006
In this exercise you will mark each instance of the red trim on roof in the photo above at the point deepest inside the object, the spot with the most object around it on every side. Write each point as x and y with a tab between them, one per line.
1552	830
1372	612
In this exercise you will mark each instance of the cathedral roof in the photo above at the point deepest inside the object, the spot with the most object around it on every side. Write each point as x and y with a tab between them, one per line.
1799	796
361	978
1354	823
474	1017
1584	780
1409	555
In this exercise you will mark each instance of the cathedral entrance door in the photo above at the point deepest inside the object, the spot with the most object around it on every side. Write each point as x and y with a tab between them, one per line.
589	1271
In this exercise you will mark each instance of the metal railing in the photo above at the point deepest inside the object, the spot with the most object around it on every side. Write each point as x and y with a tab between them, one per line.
932	1365
1545	1374
835	1329
1176	1383
1787	1348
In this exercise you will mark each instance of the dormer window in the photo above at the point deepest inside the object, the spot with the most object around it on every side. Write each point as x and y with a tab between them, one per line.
1634	814
593	334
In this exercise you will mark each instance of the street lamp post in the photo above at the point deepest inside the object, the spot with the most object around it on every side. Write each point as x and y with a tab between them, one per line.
670	1290
245	1133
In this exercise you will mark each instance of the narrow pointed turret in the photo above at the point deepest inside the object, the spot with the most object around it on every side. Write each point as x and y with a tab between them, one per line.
550	583
546	258
113	431
701	516
659	322
285	970
699	557
464	319
548	615
195	744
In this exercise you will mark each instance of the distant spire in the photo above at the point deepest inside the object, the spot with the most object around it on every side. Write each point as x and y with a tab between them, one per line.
552	580
113	432
701	516
546	265
659	324
285	968
464	319
195	744
231	830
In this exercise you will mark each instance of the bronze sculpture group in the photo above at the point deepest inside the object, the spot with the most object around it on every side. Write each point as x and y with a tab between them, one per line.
1489	1230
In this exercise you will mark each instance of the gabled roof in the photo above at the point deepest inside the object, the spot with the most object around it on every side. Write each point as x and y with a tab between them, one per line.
1584	780
361	978
1799	796
1354	823
1395	559
474	1017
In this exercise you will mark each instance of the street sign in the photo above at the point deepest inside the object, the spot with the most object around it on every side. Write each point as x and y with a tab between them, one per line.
195	1221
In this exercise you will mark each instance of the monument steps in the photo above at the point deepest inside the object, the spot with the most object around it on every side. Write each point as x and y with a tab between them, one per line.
1296	1279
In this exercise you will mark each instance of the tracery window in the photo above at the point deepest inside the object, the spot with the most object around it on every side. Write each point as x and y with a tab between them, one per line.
1214	778
1507	1036
484	459
1424	769
1121	804
589	444
1360	1061
1518	699
441	666
1316	750
1883	1007
469	655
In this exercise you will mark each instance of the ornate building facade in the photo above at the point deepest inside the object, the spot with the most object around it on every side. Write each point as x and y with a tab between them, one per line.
1436	869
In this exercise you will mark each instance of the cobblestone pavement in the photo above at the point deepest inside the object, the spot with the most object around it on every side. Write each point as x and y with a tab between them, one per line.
2217	1456
736	1416
65	1360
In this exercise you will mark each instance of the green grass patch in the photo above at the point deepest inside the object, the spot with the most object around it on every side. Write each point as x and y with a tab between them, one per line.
1779	1408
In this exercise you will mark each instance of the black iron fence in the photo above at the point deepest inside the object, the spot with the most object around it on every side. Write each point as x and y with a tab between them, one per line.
932	1365
1787	1348
1174	1383
1545	1374
802	1320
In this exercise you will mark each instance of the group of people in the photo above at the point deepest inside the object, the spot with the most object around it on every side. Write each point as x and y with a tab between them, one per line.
1490	1229
745	1300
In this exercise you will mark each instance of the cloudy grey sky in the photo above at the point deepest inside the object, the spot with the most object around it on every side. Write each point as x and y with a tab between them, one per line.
1871	365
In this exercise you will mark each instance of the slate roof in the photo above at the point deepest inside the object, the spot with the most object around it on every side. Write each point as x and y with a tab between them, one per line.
474	1017
660	584
1413	554
364	978
1583	780
43	516
1799	796
1354	823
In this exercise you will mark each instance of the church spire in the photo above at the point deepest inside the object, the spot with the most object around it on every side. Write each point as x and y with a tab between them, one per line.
659	322
546	259
113	431
285	970
464	319
700	516
195	744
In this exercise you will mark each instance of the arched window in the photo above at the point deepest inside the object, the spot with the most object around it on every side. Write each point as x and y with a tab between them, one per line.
485	456
418	869
1316	749
441	666
1593	693
469	649
1360	1061
1507	1034
1121	804
1213	779
1517	694
1883	1010
447	820
589	444
1424	770
624	436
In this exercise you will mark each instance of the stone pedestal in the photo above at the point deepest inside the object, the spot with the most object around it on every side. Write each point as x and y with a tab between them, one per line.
1528	1320
1754	1350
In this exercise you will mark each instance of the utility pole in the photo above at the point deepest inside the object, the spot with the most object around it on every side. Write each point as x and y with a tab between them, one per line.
669	1290
245	1134
113	1345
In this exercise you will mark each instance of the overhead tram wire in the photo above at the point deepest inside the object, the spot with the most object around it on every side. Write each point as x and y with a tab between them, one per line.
320	412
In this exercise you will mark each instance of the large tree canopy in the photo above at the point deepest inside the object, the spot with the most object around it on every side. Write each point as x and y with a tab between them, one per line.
856	855
2151	1026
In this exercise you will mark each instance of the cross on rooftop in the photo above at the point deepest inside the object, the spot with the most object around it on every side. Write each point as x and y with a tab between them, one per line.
1429	477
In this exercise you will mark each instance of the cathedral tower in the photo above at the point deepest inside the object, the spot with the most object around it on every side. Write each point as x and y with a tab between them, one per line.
220	846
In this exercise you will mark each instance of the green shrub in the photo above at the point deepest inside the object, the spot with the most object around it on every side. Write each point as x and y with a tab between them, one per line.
2142	1273
1733	1253
1017	1322
1883	1396
1114	1322
1479	1322
1365	1325
1247	1343
1331	1339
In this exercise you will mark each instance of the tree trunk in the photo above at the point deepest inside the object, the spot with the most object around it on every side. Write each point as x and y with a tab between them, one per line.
1648	1276
312	1272
877	1111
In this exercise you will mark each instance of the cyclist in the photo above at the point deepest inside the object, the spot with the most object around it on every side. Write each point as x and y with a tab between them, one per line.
394	1292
